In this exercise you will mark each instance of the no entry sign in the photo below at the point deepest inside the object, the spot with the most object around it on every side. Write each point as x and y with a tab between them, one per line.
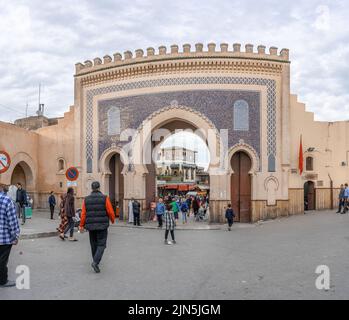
5	161
72	174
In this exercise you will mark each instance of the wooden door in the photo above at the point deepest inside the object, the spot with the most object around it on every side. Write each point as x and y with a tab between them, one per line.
241	187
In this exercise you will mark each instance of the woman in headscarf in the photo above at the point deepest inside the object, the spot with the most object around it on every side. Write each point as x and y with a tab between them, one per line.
64	219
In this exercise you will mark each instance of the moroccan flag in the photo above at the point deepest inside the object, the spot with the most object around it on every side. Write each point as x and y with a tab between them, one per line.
300	157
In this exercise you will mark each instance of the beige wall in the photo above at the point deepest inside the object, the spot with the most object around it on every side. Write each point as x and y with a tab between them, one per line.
38	152
331	143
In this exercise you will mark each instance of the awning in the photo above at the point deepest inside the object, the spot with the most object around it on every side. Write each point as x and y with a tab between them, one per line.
183	187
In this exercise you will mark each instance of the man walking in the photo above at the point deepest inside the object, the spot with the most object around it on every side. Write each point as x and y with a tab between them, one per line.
160	211
52	203
9	234
22	202
136	207
96	212
341	199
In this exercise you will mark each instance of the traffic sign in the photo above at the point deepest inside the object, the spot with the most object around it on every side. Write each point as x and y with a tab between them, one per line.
72	174
5	161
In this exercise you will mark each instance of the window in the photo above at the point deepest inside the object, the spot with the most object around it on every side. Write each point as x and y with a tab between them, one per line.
241	116
60	165
309	164
113	121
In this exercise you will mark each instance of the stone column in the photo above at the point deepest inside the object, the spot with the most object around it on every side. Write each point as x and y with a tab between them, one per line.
219	195
285	130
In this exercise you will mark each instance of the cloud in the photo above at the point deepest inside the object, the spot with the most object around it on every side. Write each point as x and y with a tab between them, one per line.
42	40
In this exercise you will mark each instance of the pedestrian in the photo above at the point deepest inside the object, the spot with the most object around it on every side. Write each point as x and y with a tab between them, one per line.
69	211
9	235
64	219
229	215
160	211
184	210
96	213
189	202
201	212
196	206
130	212
341	199
136	208
22	201
52	203
175	208
117	210
169	223
346	199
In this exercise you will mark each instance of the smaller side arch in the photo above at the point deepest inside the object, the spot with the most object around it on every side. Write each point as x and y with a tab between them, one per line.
108	154
29	167
250	151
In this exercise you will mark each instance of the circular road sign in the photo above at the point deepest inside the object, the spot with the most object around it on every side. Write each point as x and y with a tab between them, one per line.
72	174
5	161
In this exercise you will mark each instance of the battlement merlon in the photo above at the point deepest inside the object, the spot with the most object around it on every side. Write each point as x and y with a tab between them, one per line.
163	54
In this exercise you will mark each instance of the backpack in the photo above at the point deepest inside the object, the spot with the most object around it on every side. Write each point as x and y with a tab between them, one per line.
184	207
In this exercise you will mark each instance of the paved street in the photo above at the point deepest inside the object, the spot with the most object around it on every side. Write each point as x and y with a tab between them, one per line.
274	260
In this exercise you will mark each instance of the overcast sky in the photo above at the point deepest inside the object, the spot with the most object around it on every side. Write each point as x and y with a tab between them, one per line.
41	41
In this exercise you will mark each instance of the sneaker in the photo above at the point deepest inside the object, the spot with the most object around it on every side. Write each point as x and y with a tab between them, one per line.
167	242
95	267
174	242
8	284
229	229
73	239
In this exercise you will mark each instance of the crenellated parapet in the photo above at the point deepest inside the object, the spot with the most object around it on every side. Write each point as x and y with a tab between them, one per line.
223	51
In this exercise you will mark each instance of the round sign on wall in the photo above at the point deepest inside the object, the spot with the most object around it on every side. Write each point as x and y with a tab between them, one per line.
5	161
72	174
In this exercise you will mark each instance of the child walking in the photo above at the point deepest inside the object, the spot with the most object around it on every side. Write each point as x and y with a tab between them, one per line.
229	215
169	223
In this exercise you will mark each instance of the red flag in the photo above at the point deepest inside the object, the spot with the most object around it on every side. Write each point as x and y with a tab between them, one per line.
300	157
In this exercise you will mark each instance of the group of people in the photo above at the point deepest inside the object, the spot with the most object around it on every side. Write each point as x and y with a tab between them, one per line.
182	206
343	198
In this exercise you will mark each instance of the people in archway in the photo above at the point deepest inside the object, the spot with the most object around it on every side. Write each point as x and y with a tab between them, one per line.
341	199
69	210
175	208
160	211
136	207
169	223
196	206
22	201
201	212
184	210
229	215
189	202
96	213
52	203
9	235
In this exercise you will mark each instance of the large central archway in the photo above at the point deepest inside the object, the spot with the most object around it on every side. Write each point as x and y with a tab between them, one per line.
159	126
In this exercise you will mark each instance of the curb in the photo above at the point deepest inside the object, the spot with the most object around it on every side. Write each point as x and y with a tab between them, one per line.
38	235
156	228
51	234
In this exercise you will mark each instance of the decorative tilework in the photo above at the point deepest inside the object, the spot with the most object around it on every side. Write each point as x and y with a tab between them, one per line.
271	102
